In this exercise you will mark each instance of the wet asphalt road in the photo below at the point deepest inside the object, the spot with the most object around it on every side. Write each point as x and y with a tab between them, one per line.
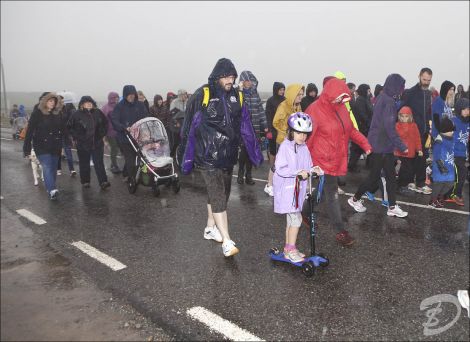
371	291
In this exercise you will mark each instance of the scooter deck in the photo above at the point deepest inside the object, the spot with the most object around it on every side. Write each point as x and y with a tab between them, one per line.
316	260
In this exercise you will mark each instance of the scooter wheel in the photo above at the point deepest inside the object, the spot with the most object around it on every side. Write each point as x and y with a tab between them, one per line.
308	269
274	251
324	263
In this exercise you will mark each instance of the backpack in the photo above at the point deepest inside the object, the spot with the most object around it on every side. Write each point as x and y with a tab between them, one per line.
181	149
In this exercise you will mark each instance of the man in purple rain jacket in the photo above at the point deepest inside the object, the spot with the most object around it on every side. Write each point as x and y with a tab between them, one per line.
216	121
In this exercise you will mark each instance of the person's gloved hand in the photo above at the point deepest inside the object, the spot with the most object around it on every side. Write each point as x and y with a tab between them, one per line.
441	166
318	170
420	153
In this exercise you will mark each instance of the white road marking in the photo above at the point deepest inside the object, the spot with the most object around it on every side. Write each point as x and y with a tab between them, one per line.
6	139
399	202
217	323
30	216
418	205
100	256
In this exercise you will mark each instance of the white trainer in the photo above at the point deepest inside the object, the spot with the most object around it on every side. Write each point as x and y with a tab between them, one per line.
396	211
462	295
357	205
212	233
269	190
412	186
340	191
229	248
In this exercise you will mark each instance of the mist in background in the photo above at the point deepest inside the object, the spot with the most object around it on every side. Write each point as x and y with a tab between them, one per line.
92	48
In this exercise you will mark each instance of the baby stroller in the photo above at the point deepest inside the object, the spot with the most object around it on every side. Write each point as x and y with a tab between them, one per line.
154	165
18	125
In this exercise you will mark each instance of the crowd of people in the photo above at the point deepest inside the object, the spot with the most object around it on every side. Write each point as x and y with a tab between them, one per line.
397	131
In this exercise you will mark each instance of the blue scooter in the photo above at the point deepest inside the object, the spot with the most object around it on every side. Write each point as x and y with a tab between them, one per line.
314	260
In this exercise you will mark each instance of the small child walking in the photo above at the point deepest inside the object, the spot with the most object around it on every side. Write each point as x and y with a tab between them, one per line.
443	172
292	160
409	134
461	136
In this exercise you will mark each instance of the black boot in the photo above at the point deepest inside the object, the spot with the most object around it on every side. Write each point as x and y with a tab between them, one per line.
240	176
248	179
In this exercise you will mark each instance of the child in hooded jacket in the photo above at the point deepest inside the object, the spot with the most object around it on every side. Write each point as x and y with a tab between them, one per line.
461	136
293	160
443	172
409	134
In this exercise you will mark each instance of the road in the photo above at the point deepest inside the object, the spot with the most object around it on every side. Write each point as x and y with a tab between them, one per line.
369	292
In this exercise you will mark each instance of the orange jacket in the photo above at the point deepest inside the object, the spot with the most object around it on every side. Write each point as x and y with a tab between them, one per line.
409	134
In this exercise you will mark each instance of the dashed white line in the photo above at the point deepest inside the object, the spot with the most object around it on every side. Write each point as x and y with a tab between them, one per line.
6	139
418	205
399	202
100	256
30	216
222	326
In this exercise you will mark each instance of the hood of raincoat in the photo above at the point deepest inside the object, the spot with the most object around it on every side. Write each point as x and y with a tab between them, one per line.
445	87
394	85
461	104
85	99
223	68
127	90
248	76
333	89
277	86
291	93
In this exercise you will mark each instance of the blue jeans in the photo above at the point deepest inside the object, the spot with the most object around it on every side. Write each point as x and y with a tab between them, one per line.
49	169
69	156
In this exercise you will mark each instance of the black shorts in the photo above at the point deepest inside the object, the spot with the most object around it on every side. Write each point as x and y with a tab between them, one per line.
218	184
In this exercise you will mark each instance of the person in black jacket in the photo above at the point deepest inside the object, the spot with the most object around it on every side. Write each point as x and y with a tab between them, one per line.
127	112
88	126
362	109
310	97
271	106
44	133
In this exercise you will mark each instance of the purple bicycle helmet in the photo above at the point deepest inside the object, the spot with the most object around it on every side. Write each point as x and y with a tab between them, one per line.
300	122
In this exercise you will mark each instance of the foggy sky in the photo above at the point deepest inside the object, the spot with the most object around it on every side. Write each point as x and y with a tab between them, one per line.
95	47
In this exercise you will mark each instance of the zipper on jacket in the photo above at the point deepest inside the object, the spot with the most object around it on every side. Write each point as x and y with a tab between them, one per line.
225	109
341	121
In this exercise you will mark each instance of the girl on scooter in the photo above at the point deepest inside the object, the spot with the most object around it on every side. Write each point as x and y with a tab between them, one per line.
292	167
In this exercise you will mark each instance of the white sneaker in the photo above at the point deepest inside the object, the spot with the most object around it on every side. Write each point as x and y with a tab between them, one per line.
462	295
412	186
54	194
229	248
396	211
340	191
426	190
59	173
357	205
269	190
212	233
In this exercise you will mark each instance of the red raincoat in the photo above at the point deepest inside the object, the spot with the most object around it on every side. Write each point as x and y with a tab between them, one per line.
332	129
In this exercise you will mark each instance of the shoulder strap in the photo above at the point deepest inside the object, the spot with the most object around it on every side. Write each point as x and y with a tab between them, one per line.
205	100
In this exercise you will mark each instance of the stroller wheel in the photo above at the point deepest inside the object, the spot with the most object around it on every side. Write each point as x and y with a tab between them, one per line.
156	190
131	185
308	269
176	186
